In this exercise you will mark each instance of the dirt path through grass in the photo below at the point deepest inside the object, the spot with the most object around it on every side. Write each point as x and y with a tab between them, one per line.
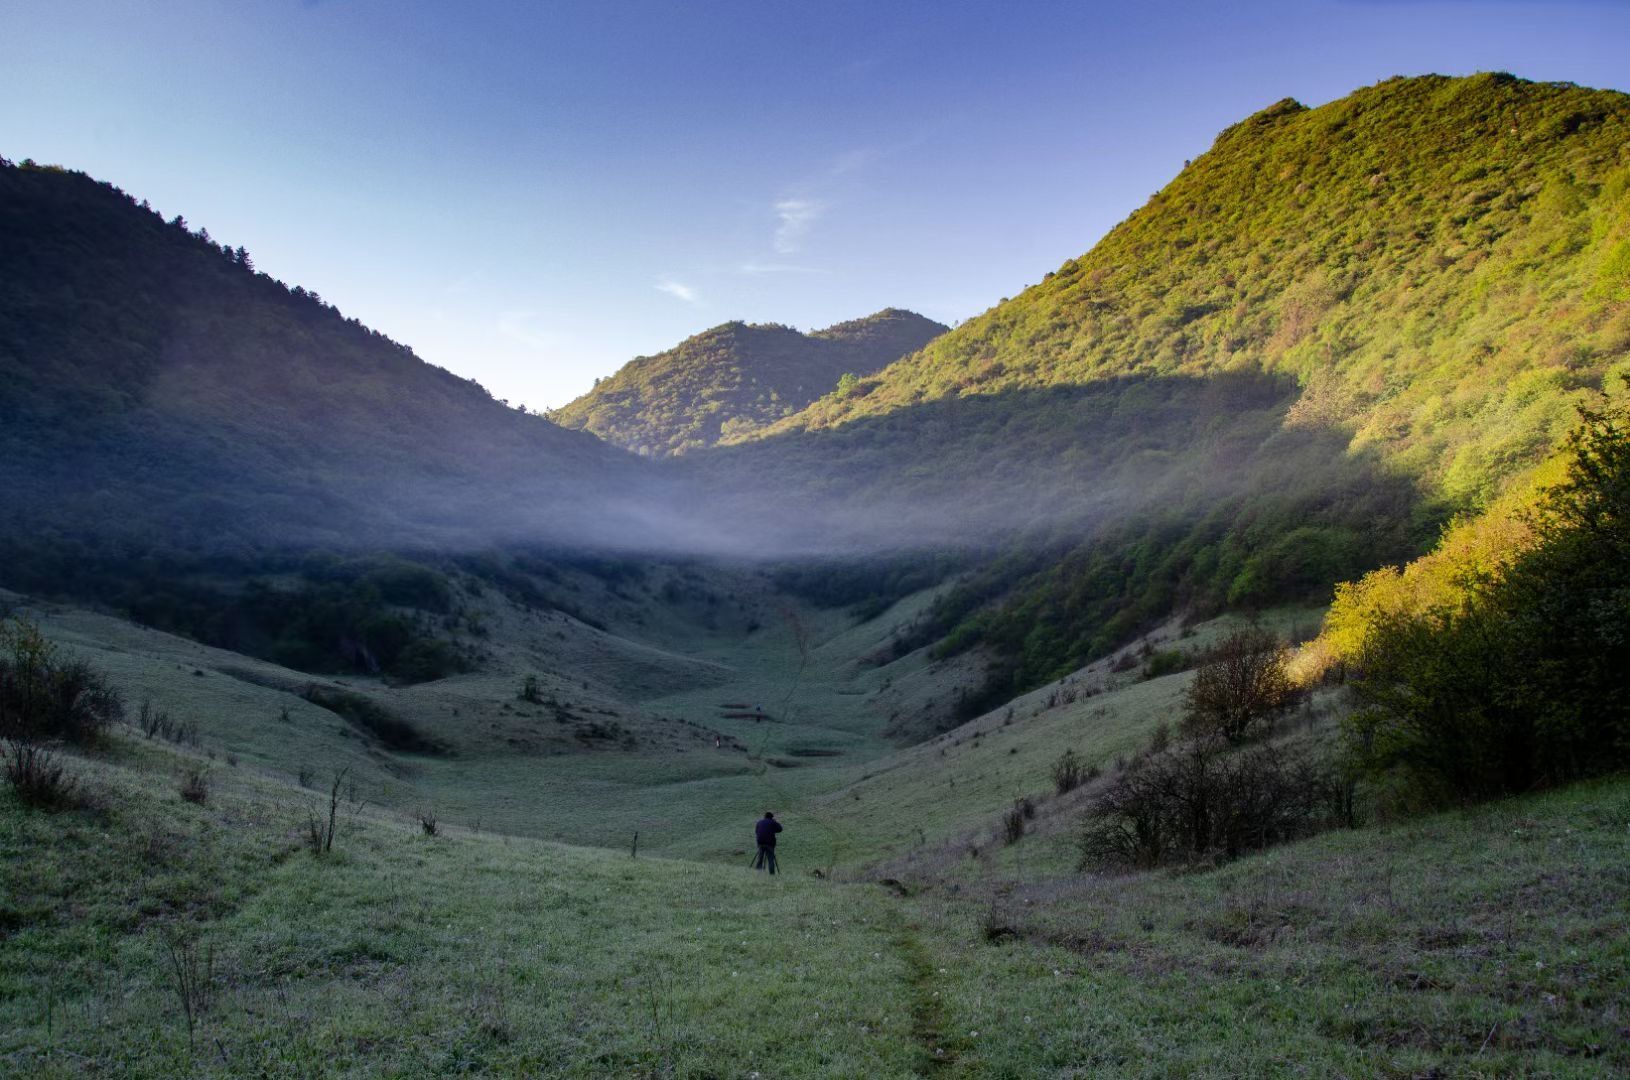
938	1053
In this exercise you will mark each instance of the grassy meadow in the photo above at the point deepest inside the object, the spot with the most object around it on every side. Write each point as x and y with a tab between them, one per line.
143	934
1479	943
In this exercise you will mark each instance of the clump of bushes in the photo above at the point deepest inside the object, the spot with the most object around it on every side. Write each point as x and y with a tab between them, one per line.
1013	823
195	785
1200	800
159	722
1014	818
361	712
1069	771
1523	680
38	777
1166	662
47	697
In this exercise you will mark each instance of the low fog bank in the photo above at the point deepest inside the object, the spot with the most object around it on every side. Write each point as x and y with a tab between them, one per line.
970	473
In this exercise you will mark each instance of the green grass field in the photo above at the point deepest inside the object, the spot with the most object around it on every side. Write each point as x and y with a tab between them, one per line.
526	939
1486	942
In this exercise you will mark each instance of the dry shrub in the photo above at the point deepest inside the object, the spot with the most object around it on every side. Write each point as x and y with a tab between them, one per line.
38	777
195	785
1195	801
1243	684
1013	822
1068	772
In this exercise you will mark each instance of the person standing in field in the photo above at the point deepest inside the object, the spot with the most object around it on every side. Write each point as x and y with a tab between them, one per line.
766	829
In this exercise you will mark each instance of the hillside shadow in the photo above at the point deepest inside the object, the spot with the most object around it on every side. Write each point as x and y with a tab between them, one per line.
981	470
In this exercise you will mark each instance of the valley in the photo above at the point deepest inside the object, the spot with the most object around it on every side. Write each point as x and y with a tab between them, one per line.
1210	661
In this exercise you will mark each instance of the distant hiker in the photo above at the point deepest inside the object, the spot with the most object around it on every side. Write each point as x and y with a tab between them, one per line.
766	829
716	743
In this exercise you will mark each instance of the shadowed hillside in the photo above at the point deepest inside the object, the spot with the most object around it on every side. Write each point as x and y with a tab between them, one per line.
156	389
729	381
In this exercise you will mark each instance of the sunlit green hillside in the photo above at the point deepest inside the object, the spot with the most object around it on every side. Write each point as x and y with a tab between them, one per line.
1434	273
733	379
1441	264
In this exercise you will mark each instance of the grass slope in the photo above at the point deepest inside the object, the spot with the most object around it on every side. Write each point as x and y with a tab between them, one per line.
622	739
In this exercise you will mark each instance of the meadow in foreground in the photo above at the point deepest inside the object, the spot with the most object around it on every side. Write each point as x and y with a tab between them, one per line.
1483	942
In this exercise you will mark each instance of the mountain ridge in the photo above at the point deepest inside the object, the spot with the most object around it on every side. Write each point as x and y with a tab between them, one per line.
731	379
166	387
1376	193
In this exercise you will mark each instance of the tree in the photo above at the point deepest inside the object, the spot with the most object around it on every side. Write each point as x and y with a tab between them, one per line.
1244	683
847	383
1194	801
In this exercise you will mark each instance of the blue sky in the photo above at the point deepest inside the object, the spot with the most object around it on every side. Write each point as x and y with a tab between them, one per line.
533	193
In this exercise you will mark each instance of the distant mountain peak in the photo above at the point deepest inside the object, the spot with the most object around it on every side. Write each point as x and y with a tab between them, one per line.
734	378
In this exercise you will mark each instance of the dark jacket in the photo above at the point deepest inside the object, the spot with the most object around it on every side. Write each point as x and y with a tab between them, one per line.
766	829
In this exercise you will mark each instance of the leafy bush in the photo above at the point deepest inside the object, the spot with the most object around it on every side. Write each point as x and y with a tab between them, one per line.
44	695
1166	662
1524	680
1243	684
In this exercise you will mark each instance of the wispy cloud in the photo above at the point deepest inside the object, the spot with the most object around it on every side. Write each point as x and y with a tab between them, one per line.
854	160
679	290
757	269
795	216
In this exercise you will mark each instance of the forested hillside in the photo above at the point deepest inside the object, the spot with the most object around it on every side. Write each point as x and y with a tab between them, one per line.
1434	272
156	389
734	379
198	445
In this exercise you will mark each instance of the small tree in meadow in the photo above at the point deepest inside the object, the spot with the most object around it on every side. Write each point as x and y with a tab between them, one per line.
1244	684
